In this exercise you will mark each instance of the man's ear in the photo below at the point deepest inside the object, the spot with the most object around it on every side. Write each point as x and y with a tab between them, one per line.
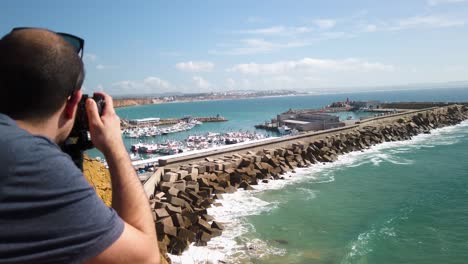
72	104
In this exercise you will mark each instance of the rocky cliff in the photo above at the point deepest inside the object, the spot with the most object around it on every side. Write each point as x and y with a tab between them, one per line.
133	102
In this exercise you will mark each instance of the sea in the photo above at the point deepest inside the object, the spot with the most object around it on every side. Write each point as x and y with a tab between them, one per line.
397	202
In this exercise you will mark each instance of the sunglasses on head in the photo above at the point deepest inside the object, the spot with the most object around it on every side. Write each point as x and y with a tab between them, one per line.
76	42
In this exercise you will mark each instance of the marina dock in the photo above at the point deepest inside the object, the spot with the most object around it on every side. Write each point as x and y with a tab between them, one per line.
133	123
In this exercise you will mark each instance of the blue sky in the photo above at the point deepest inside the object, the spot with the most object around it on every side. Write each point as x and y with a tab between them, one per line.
202	46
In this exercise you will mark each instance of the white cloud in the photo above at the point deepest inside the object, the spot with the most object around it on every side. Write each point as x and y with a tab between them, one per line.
90	56
335	35
415	22
258	45
255	46
278	30
428	22
195	66
148	85
156	82
201	83
325	23
310	65
439	2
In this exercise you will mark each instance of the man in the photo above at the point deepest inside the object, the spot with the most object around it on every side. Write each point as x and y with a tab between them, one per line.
48	212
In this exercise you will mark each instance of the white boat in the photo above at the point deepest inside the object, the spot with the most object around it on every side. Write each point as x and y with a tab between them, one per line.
284	130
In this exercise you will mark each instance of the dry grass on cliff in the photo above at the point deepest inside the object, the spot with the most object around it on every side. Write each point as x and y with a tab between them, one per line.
98	176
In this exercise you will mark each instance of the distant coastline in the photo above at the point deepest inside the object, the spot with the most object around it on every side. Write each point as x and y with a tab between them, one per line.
125	102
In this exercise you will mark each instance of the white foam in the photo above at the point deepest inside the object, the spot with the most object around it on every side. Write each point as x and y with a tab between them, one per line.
236	243
362	245
308	193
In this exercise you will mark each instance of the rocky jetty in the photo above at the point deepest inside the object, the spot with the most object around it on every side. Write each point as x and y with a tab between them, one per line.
180	196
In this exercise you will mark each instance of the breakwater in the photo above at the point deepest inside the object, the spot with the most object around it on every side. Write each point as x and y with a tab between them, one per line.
181	193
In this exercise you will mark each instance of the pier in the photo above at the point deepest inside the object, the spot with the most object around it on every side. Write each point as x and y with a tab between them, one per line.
273	126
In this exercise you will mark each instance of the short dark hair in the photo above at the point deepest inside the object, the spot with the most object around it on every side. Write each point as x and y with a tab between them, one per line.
37	74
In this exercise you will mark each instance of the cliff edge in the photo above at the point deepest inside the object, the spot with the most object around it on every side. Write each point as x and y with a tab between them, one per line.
133	102
98	176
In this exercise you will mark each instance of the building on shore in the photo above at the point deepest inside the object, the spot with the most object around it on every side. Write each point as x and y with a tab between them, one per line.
308	121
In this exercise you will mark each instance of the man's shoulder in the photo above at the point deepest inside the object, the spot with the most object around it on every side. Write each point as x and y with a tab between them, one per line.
51	189
15	138
23	152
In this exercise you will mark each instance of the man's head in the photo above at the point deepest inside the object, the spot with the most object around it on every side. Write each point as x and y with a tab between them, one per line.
39	71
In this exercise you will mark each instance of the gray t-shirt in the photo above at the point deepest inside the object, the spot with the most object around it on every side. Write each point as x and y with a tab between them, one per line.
48	211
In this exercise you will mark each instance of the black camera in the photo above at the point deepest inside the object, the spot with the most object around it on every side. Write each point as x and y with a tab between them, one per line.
79	139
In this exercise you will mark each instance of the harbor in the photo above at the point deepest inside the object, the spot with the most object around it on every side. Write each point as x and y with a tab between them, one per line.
155	121
152	130
192	143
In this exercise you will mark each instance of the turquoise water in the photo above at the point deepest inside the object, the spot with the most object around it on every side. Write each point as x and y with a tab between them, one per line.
397	203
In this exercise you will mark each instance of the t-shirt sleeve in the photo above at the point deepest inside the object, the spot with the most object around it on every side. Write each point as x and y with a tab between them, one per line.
56	204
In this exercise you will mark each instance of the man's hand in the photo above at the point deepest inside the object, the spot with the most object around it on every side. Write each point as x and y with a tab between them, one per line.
138	242
105	130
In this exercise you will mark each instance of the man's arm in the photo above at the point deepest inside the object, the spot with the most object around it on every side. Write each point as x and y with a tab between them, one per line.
138	242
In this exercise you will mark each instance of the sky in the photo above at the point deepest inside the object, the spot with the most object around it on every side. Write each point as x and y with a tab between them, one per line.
145	47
